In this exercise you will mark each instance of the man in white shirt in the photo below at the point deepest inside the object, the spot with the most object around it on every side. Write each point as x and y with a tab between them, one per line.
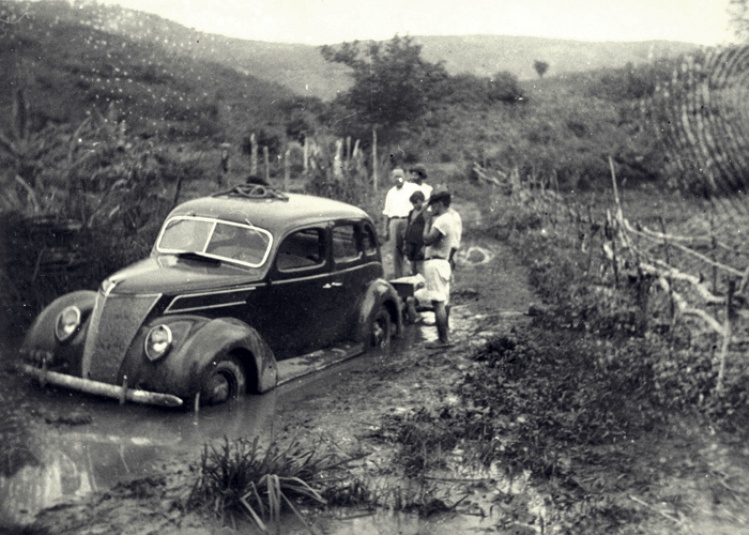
397	208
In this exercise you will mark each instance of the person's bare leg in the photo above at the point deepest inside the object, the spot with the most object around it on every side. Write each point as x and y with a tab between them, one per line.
440	318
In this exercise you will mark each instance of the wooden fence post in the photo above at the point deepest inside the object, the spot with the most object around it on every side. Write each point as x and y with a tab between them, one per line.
253	154
305	163
672	305
727	333
713	247
338	159
286	169
266	163
610	233
375	166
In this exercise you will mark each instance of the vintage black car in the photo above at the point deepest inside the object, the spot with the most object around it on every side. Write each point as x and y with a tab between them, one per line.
235	283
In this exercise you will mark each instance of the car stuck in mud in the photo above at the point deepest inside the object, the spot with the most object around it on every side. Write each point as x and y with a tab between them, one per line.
235	283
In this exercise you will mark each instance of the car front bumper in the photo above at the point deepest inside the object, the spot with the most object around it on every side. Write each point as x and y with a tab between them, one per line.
120	392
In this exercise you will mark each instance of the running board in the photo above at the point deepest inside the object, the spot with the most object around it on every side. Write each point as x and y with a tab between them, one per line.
294	368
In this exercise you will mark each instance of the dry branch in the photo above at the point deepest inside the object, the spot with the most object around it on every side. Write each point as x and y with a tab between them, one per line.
484	176
684	249
684	310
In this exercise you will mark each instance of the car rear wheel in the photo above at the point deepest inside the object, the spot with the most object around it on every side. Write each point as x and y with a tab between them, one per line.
382	329
224	379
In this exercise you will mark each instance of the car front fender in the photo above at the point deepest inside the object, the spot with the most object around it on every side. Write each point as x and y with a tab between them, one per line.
40	338
379	293
181	371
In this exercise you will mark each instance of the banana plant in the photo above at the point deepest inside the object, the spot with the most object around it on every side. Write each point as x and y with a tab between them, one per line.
20	149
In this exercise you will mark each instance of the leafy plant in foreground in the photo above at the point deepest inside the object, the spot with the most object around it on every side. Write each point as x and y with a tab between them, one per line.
241	478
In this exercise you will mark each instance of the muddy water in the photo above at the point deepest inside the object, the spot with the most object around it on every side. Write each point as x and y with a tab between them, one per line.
119	443
127	441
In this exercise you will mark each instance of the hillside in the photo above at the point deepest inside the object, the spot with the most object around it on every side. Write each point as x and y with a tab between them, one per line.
302	69
68	65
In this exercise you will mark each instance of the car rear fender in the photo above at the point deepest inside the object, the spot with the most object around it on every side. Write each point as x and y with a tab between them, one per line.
215	339
379	293
40	338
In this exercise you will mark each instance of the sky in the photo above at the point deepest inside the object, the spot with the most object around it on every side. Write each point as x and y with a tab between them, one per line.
317	22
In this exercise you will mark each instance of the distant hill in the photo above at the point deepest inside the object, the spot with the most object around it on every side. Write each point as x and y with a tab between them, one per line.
485	55
298	67
302	69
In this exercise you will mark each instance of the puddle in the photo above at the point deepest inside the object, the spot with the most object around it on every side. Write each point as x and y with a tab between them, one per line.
127	441
120	443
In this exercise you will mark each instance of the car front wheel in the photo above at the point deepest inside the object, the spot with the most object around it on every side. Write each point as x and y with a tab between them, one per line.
382	329
223	380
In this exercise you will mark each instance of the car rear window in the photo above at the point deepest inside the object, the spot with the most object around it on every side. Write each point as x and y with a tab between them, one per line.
369	241
345	246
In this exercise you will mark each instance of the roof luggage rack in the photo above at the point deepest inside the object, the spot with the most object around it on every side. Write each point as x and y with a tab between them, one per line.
253	191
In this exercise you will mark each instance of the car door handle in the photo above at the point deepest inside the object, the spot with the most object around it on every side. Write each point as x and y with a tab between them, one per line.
330	285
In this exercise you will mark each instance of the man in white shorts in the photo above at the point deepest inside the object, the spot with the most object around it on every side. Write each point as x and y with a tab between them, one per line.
441	236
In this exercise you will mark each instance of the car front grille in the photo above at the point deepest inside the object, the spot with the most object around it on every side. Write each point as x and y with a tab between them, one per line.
114	323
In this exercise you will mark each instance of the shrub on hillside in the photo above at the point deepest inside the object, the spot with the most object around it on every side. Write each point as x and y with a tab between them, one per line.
631	82
471	90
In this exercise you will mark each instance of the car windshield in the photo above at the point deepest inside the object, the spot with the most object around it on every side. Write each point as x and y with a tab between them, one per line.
215	238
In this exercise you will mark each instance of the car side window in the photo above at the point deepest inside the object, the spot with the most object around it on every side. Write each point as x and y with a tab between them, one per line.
301	250
345	247
369	240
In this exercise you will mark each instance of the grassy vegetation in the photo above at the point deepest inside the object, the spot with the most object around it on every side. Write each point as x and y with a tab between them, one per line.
240	477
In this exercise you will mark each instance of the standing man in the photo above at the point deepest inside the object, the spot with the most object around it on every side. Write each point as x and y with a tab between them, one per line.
397	207
418	176
441	236
414	236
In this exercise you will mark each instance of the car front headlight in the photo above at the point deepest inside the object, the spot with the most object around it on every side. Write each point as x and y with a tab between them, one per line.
158	342
67	323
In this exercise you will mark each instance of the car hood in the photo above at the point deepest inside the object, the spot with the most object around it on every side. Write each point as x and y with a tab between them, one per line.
173	274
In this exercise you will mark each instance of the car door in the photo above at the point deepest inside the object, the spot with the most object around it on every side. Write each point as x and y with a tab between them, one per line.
355	265
297	299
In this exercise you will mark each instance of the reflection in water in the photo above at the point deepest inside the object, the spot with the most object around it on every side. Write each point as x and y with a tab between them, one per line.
121	443
131	440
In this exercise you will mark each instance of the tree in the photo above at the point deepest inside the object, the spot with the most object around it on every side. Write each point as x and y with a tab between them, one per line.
505	87
392	83
541	67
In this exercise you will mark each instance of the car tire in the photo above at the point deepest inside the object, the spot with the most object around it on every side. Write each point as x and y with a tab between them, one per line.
224	379
381	331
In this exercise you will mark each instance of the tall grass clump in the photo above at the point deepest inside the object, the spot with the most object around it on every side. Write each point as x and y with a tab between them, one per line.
241	479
